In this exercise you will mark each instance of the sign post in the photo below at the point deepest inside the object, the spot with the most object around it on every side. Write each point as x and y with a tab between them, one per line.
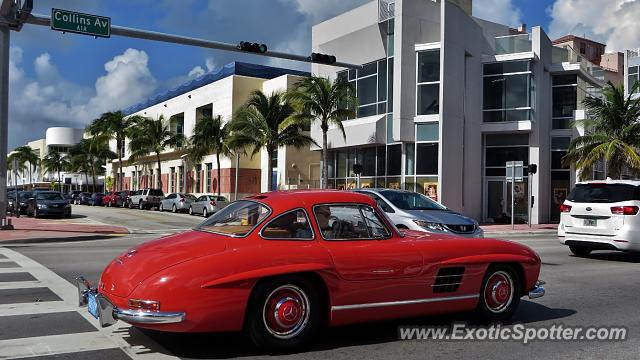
514	173
80	23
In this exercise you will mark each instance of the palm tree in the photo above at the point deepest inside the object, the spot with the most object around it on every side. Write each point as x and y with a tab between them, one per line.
152	136
114	125
79	162
612	133
210	135
55	162
329	102
266	121
27	155
96	151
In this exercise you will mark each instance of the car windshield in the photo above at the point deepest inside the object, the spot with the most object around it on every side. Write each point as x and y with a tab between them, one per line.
237	219
603	193
24	196
49	196
411	201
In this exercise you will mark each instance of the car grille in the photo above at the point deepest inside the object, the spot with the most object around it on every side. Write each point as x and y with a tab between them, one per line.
461	229
448	279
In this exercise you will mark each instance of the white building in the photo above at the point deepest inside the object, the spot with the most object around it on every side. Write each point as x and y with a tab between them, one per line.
446	99
220	92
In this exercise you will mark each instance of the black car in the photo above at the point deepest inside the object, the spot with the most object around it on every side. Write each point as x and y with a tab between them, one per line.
23	199
48	203
95	199
82	199
73	195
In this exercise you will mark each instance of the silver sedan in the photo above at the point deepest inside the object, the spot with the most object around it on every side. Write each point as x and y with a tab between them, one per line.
207	205
177	202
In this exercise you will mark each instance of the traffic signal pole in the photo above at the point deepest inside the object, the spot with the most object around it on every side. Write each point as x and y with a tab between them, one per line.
4	121
44	20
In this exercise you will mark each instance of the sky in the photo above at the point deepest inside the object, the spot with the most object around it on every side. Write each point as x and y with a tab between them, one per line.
69	79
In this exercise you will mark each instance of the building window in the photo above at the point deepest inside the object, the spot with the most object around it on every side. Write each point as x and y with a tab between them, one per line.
370	84
428	82
633	78
394	159
198	178
208	177
428	131
172	179
427	159
568	94
508	91
176	124
560	175
181	179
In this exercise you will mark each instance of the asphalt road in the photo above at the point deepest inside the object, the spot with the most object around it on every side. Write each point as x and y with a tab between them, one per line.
598	291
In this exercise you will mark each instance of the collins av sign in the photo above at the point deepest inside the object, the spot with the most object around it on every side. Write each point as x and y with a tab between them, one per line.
75	22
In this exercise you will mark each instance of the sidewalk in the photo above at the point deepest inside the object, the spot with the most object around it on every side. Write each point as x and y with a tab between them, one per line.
31	230
520	229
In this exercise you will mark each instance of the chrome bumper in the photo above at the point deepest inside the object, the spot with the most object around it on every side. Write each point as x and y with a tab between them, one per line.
109	314
538	290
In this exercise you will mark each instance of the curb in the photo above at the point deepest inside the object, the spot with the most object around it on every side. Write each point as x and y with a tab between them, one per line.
520	233
60	239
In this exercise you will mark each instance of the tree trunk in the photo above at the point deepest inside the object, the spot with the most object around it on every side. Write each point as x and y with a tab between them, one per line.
93	177
325	165
269	169
219	172
59	180
119	181
86	178
159	181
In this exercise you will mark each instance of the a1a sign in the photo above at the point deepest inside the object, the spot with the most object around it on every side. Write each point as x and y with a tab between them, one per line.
75	22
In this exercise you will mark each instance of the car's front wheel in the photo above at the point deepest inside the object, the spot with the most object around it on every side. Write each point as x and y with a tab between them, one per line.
161	208
190	210
581	251
284	314
499	294
174	209
205	213
140	205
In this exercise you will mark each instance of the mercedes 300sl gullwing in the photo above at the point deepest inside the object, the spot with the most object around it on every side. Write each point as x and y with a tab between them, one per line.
282	265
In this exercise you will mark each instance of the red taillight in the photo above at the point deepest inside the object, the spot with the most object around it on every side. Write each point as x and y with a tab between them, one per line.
182	200
146	305
624	210
213	203
565	208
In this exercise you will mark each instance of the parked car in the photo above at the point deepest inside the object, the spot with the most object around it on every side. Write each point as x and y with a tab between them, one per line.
95	199
146	199
72	196
177	202
47	203
601	215
207	205
23	199
112	198
124	198
413	211
83	198
347	264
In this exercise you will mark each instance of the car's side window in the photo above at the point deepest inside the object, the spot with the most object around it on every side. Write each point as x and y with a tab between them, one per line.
171	196
291	225
341	222
374	223
381	203
201	198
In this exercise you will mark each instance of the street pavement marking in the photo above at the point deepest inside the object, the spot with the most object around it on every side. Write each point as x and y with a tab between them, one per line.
134	343
53	344
19	284
11	270
43	307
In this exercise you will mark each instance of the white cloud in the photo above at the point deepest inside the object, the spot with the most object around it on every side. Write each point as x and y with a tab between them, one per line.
210	64
196	71
499	11
15	58
614	22
322	10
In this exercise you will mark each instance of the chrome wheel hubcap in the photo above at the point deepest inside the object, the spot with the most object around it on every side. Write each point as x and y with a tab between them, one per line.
286	312
498	292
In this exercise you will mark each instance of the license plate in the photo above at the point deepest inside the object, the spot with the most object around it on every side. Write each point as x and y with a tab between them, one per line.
92	305
590	222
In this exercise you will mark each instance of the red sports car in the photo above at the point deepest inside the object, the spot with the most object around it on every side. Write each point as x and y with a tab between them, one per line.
282	265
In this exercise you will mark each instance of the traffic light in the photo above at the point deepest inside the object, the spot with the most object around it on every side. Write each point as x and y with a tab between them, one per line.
252	47
323	58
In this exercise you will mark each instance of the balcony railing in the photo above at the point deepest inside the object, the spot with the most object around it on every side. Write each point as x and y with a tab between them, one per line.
513	44
569	55
634	53
386	10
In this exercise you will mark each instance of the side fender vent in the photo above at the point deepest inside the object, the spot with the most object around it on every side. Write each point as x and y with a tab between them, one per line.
448	279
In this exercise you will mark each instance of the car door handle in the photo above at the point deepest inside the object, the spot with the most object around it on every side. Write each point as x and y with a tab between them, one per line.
383	271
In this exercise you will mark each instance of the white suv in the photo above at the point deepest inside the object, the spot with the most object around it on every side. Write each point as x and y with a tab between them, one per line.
601	215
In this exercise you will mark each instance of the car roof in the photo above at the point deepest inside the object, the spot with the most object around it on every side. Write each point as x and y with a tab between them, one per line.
609	181
290	199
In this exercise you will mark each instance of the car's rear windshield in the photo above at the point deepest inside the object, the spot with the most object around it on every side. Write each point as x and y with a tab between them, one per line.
155	192
604	193
411	201
49	196
190	197
237	219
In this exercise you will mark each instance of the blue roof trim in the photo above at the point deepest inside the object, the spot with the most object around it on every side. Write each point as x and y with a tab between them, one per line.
234	68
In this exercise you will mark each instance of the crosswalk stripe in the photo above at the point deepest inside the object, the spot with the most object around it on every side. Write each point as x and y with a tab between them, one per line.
11	270
53	344
43	307
19	284
118	335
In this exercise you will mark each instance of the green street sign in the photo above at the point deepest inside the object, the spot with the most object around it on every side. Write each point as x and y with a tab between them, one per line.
75	22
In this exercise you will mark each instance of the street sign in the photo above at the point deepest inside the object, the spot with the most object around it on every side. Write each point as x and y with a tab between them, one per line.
80	23
514	170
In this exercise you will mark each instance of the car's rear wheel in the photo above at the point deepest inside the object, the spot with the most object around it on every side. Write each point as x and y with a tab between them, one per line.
284	314
499	294
140	205
190	210
205	213
35	212
580	250
174	209
161	208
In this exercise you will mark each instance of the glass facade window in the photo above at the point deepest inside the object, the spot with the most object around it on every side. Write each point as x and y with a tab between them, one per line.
560	175
428	131
208	177
198	178
394	159
428	86
502	148
371	83
508	91
634	77
409	156
568	95
427	159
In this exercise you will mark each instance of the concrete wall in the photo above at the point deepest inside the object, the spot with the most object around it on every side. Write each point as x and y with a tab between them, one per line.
63	136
